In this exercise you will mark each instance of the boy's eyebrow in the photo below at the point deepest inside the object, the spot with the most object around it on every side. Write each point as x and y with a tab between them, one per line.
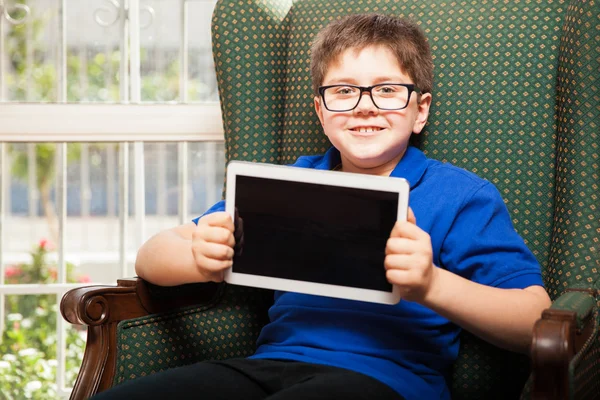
354	81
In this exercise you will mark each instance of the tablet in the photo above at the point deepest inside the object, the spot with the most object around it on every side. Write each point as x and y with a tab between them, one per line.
312	231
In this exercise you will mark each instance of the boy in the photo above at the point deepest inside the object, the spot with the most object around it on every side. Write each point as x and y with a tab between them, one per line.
461	266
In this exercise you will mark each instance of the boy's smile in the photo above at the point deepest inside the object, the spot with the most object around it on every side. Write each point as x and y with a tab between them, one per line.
370	140
366	130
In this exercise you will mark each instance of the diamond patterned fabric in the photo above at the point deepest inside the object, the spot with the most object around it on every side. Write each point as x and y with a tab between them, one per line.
225	328
575	255
249	48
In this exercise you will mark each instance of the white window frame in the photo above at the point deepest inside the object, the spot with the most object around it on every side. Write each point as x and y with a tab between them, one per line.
110	122
126	122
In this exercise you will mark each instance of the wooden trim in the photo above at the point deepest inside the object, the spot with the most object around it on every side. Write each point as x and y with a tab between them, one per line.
99	305
94	362
101	308
556	340
550	353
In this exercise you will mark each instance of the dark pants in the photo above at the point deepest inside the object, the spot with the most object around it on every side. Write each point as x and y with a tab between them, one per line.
252	379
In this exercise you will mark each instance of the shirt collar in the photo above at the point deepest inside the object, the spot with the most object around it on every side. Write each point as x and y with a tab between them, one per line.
329	160
411	167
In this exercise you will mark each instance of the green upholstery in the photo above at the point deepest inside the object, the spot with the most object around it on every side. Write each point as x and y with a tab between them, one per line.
582	305
495	112
224	328
583	369
516	100
575	252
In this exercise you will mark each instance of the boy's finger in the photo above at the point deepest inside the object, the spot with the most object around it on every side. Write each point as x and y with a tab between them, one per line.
214	234
210	265
399	245
407	230
216	251
402	278
397	261
220	218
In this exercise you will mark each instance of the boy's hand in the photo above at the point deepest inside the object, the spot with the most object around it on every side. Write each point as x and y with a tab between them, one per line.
212	245
409	259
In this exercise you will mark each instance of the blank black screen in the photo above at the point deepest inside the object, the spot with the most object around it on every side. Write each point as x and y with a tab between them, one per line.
312	232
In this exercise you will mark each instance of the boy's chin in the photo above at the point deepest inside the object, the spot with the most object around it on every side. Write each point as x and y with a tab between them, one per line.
369	163
373	160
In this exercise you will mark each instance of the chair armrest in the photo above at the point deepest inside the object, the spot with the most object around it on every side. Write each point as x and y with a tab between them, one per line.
564	334
96	305
101	308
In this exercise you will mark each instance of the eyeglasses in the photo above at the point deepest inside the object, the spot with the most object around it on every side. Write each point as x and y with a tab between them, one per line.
385	96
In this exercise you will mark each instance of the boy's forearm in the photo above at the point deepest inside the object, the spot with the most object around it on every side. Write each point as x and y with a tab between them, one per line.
166	259
504	317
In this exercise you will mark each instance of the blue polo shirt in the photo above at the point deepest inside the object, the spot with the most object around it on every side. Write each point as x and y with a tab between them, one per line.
406	346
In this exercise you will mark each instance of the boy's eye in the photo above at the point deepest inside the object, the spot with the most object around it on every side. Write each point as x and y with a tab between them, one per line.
387	89
345	90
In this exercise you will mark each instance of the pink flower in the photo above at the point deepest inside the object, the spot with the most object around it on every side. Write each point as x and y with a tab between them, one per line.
53	273
45	244
12	271
84	279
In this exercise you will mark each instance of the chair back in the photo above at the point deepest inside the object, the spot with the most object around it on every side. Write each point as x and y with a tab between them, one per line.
516	100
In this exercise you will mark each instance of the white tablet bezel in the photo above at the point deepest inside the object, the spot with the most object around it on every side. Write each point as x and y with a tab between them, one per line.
334	178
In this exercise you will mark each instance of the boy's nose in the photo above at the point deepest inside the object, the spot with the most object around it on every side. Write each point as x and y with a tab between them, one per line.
366	105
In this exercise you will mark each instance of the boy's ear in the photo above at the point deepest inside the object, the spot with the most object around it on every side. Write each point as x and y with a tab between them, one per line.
422	113
319	109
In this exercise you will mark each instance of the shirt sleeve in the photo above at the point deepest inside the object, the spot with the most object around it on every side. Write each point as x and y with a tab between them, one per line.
483	246
220	206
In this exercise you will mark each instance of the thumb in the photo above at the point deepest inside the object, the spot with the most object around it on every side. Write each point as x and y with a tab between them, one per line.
411	216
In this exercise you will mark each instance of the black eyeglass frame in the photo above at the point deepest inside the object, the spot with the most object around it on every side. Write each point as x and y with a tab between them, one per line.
410	86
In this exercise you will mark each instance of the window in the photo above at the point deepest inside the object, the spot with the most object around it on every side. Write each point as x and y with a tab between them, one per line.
109	132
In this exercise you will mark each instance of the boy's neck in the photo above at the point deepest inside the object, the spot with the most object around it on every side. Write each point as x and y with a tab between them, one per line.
380	170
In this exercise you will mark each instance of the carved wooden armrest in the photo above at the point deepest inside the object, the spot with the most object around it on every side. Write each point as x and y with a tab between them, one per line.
566	330
101	308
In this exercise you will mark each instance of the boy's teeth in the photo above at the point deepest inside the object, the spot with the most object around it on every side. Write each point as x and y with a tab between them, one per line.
370	129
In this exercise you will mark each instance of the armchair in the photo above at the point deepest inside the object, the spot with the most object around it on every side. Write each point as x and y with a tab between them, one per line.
516	100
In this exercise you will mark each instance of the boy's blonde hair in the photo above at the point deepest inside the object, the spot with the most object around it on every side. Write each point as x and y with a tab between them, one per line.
403	37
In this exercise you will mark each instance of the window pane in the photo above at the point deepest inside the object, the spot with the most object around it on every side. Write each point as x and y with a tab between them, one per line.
28	361
161	32
29	242
206	169
206	186
92	225
202	81
32	62
94	34
92	228
30	66
32	44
